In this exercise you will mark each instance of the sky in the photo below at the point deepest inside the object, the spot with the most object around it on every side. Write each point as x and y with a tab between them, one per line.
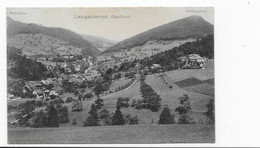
111	23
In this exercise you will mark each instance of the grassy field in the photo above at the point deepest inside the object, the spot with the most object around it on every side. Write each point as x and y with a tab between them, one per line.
204	88
194	133
145	131
117	83
199	95
169	97
201	74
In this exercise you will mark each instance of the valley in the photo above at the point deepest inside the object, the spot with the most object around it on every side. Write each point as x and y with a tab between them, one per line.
154	87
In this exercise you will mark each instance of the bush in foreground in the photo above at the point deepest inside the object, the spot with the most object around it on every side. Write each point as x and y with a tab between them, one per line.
93	119
118	118
166	117
210	114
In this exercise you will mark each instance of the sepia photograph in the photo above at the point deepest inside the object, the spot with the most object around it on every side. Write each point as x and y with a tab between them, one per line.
110	75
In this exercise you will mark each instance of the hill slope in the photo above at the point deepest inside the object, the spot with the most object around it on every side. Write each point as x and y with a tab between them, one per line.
15	28
190	27
100	43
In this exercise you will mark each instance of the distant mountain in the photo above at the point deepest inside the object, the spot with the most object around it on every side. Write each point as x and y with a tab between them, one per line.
66	39
100	43
190	27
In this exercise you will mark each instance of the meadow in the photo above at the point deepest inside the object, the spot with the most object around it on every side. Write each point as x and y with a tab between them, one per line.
127	134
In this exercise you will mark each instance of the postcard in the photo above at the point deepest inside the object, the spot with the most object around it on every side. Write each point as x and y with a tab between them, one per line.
110	75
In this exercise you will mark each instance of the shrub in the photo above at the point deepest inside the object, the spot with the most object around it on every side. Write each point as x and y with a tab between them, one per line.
87	96
104	114
76	93
185	119
53	118
134	120
39	103
133	103
185	105
39	120
93	119
139	104
77	106
122	102
118	118
166	117
105	117
99	103
69	99
80	97
74	121
58	101
63	114
210	114
183	110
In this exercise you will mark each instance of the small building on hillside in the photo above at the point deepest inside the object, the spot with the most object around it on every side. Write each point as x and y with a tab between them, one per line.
155	66
191	61
184	59
196	58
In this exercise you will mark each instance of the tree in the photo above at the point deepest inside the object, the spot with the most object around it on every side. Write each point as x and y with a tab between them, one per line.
105	117
53	118
122	102
88	96
183	110
104	114
133	103
109	71
98	88
210	114
99	103
39	103
69	99
117	75
63	114
93	119
118	118
39	120
69	86
166	117
127	119
138	104
58	102
16	88
185	106
134	120
77	106
27	107
80	97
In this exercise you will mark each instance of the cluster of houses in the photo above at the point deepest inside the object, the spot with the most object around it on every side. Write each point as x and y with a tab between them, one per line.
192	61
115	59
41	90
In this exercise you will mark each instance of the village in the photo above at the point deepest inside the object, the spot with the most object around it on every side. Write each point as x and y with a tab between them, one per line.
90	69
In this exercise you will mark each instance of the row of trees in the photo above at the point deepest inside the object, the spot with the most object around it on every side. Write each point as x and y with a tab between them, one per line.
124	86
151	100
103	117
167	118
93	119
